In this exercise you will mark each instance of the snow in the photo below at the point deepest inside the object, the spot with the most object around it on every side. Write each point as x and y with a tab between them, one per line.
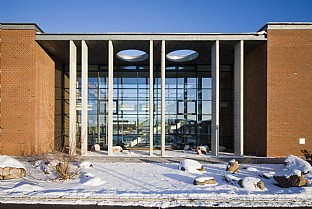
204	178
249	168
93	181
232	161
190	166
249	183
296	163
54	163
153	185
287	173
45	167
232	179
297	172
85	165
202	149
48	167
25	187
7	161
267	175
117	149
90	179
295	166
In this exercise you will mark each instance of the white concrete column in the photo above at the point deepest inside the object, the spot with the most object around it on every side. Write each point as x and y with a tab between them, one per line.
110	105
163	101
215	98
239	98
72	97
84	95
151	94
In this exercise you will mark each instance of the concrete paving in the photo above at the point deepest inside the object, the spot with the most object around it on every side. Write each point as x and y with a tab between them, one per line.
244	160
173	157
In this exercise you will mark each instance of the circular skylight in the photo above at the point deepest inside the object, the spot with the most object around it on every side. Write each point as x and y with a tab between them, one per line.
182	55
132	55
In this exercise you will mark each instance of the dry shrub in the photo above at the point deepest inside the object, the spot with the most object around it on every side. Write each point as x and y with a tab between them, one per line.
64	167
307	154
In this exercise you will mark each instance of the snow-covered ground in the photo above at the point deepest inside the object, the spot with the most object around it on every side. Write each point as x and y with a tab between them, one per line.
152	184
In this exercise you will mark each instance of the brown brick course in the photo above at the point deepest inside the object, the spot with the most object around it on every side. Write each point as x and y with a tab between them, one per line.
27	95
255	99
277	95
58	133
289	91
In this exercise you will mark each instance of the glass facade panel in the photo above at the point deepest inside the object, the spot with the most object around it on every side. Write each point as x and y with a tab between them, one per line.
206	94
206	107
183	96
206	82
190	108
97	95
188	97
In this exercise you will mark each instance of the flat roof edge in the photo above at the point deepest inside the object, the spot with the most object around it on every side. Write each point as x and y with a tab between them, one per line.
144	37
286	25
21	26
150	33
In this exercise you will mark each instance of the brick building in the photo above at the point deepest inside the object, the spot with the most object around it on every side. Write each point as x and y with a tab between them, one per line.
247	93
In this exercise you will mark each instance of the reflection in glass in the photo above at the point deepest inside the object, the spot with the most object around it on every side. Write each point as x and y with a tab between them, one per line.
188	96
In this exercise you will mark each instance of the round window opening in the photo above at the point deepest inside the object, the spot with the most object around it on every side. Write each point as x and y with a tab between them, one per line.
132	55
182	55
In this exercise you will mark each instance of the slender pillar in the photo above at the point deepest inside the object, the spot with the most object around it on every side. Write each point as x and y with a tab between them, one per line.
215	98
84	95
239	98
163	102
72	97
110	105
98	110
151	94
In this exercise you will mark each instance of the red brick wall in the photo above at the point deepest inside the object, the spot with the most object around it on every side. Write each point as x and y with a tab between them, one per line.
45	105
58	108
1	146
255	101
289	91
27	95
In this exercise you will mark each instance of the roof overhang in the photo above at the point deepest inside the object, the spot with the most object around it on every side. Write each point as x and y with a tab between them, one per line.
153	36
57	45
21	26
287	26
98	49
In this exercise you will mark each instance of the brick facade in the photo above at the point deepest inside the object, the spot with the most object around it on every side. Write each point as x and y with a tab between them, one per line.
58	133
277	95
289	91
27	95
255	99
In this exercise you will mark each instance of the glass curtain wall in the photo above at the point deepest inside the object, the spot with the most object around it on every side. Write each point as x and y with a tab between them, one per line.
97	101
131	106
188	106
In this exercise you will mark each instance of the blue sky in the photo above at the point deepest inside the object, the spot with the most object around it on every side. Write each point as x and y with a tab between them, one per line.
226	16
